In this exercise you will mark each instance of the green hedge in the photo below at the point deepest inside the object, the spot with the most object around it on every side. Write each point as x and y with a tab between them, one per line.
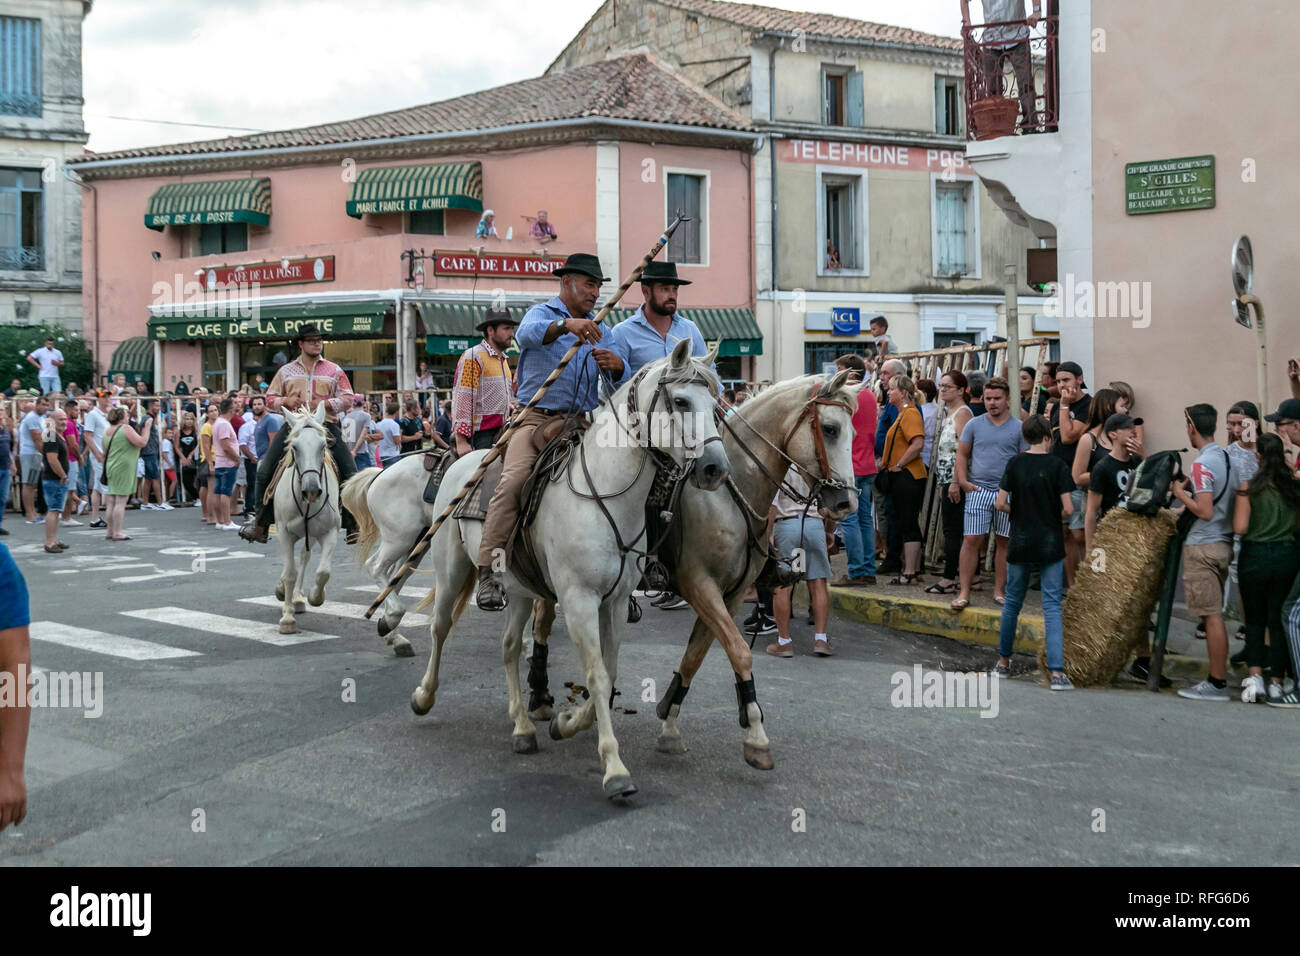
19	341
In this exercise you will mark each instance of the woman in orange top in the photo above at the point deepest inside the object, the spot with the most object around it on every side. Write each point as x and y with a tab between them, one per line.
903	445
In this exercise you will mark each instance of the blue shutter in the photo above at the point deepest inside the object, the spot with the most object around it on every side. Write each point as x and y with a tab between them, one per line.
684	196
854	113
950	230
940	102
20	66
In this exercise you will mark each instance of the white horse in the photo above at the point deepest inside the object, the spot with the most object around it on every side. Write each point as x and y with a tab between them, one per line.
597	504
306	507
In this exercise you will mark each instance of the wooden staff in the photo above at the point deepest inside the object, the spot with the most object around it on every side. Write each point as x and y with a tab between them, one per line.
495	452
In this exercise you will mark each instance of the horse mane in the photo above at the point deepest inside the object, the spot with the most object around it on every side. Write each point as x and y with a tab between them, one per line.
307	421
672	377
803	384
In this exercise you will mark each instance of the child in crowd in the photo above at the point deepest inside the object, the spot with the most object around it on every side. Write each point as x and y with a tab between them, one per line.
1035	490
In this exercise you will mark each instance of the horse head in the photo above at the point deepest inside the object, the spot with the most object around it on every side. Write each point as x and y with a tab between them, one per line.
308	442
819	441
676	397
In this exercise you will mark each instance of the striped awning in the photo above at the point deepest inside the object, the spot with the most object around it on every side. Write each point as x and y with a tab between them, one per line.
221	200
449	327
133	357
417	189
734	329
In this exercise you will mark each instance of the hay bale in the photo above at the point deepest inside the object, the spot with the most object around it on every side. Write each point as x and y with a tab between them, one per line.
1115	591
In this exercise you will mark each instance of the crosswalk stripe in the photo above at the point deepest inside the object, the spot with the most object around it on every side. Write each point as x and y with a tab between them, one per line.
98	642
413	594
227	626
356	612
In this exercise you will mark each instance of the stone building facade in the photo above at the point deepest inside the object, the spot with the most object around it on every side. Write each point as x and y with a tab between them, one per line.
41	128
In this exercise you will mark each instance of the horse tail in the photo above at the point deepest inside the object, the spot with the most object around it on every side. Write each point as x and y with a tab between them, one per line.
462	599
353	495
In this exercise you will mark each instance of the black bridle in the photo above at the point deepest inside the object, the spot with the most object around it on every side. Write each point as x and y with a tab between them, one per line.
324	501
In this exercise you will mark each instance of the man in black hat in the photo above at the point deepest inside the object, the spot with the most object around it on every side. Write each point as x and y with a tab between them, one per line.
484	385
546	333
300	386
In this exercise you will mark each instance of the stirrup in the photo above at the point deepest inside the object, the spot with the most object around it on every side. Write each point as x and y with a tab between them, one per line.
491	594
633	610
253	532
777	573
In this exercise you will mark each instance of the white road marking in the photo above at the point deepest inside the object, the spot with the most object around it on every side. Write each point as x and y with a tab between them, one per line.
100	643
356	612
416	594
107	567
227	626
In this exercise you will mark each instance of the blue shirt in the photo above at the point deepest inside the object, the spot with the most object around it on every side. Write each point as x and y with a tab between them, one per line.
262	433
14	608
640	344
576	386
882	429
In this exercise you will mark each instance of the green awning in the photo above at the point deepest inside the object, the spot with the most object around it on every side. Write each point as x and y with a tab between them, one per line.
221	200
272	322
416	189
133	357
735	329
449	327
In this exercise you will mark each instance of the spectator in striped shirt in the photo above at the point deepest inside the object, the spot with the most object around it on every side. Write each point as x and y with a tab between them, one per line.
483	385
300	386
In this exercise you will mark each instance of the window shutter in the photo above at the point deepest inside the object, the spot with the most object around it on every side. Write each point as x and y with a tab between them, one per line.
9	219
854	114
236	237
684	197
950	231
209	239
20	66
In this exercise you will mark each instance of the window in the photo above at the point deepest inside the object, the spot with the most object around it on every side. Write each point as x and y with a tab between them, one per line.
955	229
841	97
428	222
22	224
688	194
817	354
20	66
841	246
216	238
947	108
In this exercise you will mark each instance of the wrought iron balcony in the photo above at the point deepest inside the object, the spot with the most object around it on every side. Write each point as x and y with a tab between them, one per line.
1012	78
19	104
22	258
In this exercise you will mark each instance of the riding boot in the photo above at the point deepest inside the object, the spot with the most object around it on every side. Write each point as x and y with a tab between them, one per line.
491	593
256	529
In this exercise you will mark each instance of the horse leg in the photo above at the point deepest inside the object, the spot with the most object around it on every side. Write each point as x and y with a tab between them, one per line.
455	584
670	705
512	641
582	611
540	701
381	566
323	567
287	577
714	613
299	600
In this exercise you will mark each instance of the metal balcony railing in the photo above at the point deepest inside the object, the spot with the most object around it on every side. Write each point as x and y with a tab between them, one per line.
1011	61
22	258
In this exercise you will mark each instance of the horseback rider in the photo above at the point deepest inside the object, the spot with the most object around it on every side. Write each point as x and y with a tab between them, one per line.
483	390
302	385
547	331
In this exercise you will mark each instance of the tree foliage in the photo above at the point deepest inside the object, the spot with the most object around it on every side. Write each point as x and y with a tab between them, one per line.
19	341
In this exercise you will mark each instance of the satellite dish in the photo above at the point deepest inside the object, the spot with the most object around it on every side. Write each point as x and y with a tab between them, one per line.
1243	266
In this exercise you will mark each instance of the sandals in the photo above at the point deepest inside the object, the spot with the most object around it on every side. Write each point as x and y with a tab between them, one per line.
999	599
938	588
960	604
902	579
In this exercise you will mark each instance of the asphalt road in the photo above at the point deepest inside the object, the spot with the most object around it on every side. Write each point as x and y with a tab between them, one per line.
211	715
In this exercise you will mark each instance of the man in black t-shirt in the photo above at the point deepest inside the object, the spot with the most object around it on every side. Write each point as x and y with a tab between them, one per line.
54	474
1109	480
1035	491
1068	417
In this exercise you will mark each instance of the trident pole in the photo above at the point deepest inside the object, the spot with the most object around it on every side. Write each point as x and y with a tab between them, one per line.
495	452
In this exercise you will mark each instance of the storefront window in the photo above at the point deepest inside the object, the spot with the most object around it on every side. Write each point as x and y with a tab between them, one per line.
214	365
816	355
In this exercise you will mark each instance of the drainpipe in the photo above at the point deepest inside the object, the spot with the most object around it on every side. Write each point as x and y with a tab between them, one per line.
776	255
94	207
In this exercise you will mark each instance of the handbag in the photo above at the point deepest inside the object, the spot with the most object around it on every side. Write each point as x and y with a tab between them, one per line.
885	479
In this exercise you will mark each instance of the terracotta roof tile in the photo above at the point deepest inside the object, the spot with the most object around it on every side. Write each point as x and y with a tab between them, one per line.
813	24
628	87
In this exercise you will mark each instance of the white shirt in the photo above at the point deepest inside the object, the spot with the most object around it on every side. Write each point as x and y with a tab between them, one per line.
167	452
95	424
1003	11
47	358
389	445
31	422
245	436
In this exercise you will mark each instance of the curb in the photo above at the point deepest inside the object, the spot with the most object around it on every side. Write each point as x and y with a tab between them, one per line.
977	625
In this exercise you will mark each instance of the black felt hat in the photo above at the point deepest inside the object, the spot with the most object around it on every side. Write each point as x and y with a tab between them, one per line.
582	263
495	317
307	330
665	272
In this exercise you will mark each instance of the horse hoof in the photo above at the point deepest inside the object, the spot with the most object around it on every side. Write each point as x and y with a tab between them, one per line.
524	743
555	730
617	788
316	600
545	712
279	592
384	629
299	607
760	758
671	745
420	709
288	628
404	649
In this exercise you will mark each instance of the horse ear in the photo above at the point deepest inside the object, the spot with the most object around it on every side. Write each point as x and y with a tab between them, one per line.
834	384
713	353
320	413
681	355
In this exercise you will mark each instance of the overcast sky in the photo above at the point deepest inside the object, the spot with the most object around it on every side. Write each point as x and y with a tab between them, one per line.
277	64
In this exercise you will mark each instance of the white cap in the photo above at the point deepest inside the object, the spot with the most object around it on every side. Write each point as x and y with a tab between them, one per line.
488	212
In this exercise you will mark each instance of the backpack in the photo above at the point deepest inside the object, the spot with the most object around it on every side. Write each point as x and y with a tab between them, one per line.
1149	486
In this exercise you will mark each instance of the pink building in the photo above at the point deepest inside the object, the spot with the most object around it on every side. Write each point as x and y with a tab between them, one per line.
203	258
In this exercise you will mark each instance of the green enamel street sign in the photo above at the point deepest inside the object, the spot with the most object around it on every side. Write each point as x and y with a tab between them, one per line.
1169	185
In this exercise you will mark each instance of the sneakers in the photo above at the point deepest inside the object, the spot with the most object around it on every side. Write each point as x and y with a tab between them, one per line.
230	527
777	649
1278	696
38	520
83	507
1060	682
823	648
668	601
491	593
148	506
1139	672
99	523
1252	689
70	523
164	507
762	624
1001	670
1204	691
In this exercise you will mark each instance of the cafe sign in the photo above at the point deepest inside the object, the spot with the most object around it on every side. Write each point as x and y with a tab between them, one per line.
279	272
504	265
181	328
1169	185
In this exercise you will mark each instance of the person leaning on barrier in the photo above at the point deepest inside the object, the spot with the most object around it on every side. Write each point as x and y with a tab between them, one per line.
301	385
